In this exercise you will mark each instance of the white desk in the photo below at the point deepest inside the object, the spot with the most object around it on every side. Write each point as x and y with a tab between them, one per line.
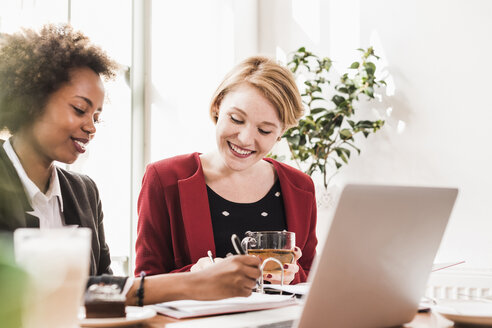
421	320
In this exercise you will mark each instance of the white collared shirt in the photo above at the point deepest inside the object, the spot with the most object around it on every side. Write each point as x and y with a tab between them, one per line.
47	207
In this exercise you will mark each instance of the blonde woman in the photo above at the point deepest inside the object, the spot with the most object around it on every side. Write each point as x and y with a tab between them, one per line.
193	203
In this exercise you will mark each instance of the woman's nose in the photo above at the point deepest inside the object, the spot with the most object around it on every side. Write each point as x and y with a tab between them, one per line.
246	136
89	127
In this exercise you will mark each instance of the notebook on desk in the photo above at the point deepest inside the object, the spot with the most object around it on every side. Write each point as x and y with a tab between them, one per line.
376	260
191	308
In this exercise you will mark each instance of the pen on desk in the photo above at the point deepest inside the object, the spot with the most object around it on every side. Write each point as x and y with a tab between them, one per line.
237	244
209	253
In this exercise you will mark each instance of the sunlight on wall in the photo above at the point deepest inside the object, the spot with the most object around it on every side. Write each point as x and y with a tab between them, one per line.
280	55
344	36
191	52
15	14
382	64
307	13
401	127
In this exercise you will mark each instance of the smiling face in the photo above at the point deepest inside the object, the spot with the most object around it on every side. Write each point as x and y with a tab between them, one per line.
66	125
247	128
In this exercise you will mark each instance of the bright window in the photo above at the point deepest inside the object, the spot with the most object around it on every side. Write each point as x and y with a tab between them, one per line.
107	161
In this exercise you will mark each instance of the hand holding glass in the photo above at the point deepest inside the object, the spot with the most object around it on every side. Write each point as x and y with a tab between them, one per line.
274	248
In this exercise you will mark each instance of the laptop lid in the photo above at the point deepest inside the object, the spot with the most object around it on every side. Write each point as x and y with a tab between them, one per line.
377	256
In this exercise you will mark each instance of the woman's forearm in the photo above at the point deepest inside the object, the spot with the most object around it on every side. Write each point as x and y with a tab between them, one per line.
234	276
163	288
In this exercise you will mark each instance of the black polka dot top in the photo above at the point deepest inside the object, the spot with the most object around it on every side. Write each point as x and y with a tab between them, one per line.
267	214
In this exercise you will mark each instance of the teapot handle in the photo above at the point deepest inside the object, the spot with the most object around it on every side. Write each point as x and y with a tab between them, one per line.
248	241
240	250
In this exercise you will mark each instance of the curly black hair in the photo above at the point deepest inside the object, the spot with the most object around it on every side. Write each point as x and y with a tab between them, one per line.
34	64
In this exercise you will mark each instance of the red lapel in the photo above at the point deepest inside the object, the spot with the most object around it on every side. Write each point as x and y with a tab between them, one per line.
196	214
296	203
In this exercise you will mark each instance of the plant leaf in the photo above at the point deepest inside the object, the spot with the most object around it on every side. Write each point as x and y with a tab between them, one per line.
294	140
355	65
370	68
337	100
317	110
345	134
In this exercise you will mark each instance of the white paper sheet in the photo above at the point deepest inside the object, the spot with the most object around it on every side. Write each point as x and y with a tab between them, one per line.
190	308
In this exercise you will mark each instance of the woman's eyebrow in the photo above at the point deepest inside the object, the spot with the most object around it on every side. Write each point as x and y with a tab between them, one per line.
270	123
87	100
240	110
264	122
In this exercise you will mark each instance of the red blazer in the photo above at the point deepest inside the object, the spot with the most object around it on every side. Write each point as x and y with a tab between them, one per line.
175	228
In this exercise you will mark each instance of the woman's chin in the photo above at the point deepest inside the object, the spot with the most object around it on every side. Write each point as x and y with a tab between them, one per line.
239	164
68	159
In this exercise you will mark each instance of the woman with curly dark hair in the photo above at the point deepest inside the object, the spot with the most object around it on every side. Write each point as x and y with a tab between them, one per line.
51	97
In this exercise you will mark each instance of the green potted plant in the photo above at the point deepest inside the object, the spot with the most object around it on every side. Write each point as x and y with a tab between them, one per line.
324	139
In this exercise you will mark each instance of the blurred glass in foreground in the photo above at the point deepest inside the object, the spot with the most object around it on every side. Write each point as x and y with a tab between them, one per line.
12	285
57	265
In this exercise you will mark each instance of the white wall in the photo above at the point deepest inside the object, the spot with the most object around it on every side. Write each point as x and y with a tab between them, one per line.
194	44
436	55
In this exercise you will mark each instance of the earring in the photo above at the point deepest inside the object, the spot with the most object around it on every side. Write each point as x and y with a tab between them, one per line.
279	138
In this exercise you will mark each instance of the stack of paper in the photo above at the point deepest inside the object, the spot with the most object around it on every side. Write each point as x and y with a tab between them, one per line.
189	309
264	318
299	289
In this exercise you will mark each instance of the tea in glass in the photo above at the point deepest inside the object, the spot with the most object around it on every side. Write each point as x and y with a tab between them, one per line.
266	244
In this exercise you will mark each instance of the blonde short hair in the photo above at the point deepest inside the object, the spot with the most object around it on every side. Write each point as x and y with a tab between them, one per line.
274	81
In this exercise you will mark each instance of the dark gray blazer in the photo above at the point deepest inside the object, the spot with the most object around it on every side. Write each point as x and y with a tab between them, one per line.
81	206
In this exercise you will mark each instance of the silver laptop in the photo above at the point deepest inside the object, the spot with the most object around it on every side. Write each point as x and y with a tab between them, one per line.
377	257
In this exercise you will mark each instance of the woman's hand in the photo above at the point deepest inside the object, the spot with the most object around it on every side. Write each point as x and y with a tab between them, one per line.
290	270
229	277
204	262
